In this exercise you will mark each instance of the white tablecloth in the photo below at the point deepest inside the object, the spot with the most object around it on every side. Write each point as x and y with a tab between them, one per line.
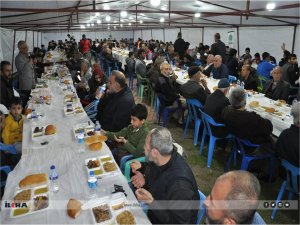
280	123
62	151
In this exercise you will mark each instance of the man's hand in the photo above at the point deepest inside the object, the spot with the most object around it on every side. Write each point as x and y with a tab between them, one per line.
138	180
135	165
144	195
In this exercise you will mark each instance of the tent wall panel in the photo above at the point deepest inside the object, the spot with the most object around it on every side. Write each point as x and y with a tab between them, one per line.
297	43
137	34
191	35
146	34
262	39
29	40
7	40
171	34
157	34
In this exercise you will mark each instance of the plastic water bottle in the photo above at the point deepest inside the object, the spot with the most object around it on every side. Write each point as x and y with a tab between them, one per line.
33	114
53	177
92	183
211	75
238	83
81	142
242	84
97	128
41	100
294	101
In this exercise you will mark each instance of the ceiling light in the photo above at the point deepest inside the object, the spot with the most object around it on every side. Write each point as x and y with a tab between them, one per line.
130	17
197	15
155	2
88	25
129	24
98	21
121	20
108	28
97	14
106	7
164	7
93	24
115	27
270	6
123	14
91	17
162	20
107	18
82	26
141	21
142	14
121	25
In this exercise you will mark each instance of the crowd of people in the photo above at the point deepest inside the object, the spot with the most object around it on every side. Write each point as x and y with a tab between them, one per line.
165	176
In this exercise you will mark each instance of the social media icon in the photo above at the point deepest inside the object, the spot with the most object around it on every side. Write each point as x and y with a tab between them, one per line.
266	204
273	204
280	204
287	205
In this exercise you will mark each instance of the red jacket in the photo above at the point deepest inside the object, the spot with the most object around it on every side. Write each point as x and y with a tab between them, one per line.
85	45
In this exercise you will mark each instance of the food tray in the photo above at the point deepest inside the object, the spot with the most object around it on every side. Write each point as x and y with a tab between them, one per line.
117	200
101	170
41	133
39	116
87	128
73	109
41	191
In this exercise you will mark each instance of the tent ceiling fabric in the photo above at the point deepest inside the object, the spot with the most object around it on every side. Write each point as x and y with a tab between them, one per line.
71	15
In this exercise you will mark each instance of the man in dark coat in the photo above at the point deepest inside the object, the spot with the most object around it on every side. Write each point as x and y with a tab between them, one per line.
168	185
277	88
219	69
7	92
218	48
248	79
195	88
115	106
180	46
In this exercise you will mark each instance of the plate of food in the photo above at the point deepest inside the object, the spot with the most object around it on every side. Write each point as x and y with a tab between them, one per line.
86	128
43	131
94	142
32	196
102	166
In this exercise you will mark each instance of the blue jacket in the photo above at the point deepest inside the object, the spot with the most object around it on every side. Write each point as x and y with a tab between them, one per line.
264	69
221	72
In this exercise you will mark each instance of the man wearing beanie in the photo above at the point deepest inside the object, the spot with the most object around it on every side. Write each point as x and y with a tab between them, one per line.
195	87
215	103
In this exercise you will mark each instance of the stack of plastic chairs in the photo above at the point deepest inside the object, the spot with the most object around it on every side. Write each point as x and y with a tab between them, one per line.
10	149
231	79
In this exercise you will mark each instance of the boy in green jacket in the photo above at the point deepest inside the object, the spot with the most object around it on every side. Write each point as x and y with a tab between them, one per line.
131	138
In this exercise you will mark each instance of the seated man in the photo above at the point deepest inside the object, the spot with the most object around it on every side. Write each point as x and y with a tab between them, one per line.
234	199
219	70
265	67
140	65
168	185
130	62
287	145
209	65
249	81
166	85
115	106
290	71
7	91
195	87
214	105
247	125
82	87
277	88
153	73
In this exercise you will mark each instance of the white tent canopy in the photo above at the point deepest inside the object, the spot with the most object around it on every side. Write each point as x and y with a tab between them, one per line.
39	22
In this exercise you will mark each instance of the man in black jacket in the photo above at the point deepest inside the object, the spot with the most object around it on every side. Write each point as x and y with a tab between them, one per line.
277	88
247	125
7	92
180	46
249	81
195	87
218	48
115	106
168	186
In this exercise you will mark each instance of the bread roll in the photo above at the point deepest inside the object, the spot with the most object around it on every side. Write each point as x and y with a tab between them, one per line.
95	139
254	104
282	101
33	180
95	146
27	111
50	129
269	109
74	208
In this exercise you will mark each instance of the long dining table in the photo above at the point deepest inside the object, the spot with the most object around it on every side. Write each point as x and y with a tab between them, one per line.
281	119
62	150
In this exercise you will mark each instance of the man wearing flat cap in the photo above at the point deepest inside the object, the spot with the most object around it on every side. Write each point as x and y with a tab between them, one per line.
195	87
214	105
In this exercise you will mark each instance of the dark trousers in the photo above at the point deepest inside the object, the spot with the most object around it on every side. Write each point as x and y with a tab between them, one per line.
24	95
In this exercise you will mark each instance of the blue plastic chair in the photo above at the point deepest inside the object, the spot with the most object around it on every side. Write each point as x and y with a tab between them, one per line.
193	106
238	148
291	184
167	109
123	160
208	121
201	212
91	109
231	78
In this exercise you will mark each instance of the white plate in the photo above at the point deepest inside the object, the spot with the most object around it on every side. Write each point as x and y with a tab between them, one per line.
102	172
86	128
36	136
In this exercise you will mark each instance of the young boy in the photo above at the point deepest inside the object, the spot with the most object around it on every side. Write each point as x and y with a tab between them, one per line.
13	129
131	138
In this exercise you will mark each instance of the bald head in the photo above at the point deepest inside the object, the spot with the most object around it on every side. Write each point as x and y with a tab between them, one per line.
210	59
217	61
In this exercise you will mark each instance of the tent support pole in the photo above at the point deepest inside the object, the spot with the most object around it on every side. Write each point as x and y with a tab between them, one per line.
33	39
238	40
25	35
13	55
203	35
294	38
